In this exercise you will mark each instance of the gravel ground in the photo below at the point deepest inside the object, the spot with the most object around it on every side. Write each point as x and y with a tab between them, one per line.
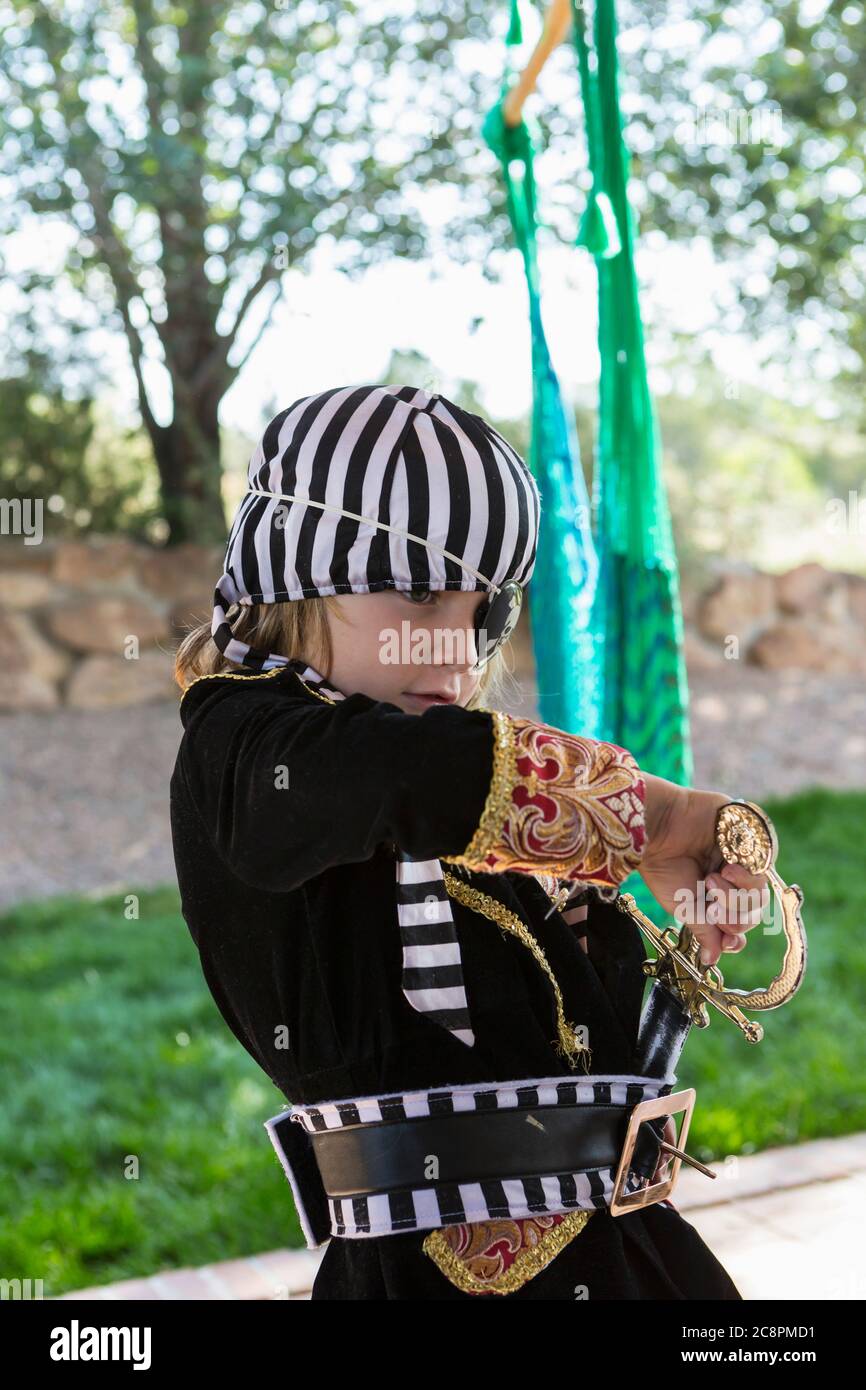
84	794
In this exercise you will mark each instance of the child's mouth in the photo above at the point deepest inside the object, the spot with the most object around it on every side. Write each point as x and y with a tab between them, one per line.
431	699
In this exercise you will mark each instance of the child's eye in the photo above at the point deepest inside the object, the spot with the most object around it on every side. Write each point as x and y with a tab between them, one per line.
421	596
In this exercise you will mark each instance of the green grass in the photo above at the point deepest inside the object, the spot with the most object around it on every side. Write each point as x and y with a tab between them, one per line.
111	1046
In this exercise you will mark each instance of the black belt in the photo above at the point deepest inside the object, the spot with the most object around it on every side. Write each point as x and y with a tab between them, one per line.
470	1146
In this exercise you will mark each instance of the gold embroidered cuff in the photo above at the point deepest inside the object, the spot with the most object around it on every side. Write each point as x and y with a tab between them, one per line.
502	782
570	806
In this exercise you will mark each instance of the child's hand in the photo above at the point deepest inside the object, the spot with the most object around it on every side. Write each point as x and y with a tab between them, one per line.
681	852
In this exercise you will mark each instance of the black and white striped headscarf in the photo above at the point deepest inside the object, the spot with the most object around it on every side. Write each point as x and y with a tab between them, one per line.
368	467
365	488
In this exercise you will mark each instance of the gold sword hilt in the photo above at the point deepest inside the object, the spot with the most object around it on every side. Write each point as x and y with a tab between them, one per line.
744	835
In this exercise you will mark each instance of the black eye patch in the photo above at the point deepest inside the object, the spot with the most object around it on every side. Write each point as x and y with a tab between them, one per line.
496	619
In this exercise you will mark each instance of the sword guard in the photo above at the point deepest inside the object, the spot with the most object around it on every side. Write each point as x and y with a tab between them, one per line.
744	835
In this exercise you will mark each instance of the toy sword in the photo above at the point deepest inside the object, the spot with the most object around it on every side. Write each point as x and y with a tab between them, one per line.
682	986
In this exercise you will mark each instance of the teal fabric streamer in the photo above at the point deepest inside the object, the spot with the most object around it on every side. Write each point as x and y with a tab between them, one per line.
606	616
637	603
515	27
568	663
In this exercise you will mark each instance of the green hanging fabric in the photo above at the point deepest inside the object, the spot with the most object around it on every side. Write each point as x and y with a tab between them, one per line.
645	689
515	28
562	592
607	622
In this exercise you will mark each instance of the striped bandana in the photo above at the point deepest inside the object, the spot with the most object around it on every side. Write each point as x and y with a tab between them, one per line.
365	488
432	978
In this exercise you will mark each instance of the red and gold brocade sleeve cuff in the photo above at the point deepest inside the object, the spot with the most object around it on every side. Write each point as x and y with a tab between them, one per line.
558	803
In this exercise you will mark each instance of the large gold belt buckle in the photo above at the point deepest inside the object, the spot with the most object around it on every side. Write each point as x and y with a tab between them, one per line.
655	1192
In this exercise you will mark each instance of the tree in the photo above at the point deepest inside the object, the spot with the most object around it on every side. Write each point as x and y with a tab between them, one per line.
197	149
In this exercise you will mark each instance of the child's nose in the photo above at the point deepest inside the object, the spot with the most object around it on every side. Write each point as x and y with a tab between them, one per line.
457	650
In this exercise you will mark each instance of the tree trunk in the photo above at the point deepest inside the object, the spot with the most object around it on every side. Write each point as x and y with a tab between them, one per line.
187	453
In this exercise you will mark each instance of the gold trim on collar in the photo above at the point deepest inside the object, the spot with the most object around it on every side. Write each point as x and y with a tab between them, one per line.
236	676
318	694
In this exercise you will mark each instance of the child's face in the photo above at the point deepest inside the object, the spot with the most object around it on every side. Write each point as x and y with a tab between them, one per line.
395	646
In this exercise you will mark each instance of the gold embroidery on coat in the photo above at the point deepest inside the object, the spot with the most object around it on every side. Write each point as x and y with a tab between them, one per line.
569	805
318	694
498	804
568	1046
529	1261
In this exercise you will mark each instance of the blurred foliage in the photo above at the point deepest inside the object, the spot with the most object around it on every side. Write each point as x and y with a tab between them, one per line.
746	128
194	152
113	1049
91	472
748	474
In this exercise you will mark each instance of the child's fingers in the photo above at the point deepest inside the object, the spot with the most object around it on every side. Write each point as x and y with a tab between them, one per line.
733	943
737	900
714	941
737	919
740	877
710	940
734	905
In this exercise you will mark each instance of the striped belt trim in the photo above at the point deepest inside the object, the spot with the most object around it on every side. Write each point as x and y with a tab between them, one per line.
443	1204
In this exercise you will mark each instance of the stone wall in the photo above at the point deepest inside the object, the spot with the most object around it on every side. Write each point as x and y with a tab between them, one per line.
68	610
809	618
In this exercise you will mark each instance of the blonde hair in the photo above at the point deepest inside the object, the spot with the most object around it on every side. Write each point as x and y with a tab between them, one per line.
298	629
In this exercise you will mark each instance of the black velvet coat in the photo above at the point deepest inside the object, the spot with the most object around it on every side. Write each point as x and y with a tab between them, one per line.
285	812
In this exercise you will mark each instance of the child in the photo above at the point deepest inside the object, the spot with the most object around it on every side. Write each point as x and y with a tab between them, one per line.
373	863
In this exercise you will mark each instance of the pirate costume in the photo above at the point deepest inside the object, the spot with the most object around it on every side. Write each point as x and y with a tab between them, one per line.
378	898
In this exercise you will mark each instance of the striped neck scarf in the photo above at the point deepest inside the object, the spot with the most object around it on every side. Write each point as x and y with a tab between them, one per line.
432	978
